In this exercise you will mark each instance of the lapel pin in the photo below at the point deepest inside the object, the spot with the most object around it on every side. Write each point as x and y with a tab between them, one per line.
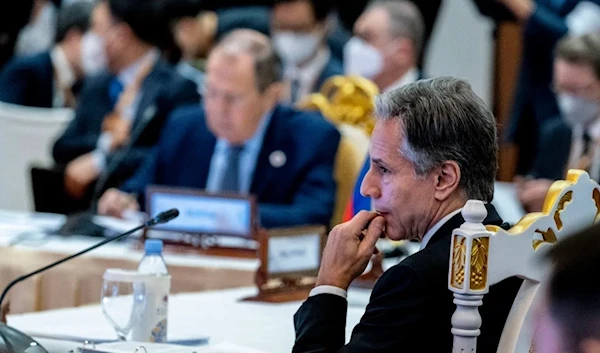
277	159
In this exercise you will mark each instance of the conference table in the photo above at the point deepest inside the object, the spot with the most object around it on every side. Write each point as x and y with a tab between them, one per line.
25	246
220	316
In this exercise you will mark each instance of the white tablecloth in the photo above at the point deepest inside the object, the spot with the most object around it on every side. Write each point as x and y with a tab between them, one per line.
220	315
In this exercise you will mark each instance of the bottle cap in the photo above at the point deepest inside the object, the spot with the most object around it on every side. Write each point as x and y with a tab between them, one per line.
153	246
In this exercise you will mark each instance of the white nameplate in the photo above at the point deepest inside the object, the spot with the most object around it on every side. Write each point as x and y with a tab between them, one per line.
294	253
203	213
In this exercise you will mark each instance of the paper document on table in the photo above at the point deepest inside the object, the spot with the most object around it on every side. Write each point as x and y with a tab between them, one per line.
144	347
506	202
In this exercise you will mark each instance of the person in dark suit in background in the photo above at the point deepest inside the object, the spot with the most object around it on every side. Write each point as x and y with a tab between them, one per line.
121	110
14	15
242	141
46	80
434	146
572	138
544	23
299	29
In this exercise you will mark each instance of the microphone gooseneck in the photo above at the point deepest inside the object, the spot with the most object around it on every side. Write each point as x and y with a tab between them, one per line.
162	217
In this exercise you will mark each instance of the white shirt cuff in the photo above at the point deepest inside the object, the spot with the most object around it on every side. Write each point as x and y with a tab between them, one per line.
99	159
104	142
328	290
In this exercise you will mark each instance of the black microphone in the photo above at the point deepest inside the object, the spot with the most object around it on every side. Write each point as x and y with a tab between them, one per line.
162	217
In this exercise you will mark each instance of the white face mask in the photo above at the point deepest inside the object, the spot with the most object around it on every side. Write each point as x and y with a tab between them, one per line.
93	57
362	59
576	110
294	47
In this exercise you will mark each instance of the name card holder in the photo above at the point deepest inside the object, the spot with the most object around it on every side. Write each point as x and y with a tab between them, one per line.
289	263
214	224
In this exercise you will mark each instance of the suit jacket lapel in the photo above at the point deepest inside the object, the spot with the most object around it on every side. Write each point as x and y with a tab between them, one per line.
272	141
493	218
149	90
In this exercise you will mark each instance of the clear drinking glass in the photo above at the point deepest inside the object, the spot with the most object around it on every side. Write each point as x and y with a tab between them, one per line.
123	299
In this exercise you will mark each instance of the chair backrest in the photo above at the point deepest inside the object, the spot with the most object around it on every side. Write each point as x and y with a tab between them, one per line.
348	102
26	137
482	256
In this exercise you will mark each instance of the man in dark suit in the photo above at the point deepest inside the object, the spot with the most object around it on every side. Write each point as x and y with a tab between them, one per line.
47	79
571	139
121	111
242	141
434	146
544	23
299	30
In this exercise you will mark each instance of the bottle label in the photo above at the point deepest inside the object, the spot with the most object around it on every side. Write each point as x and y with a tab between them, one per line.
152	325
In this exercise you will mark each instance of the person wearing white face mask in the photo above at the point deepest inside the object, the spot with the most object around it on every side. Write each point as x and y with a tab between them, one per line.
299	32
573	140
388	39
50	79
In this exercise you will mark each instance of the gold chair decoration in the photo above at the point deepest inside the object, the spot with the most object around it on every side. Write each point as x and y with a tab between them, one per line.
482	256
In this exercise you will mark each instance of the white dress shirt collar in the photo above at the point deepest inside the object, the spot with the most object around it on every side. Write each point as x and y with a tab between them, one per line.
65	76
309	73
128	74
410	76
429	234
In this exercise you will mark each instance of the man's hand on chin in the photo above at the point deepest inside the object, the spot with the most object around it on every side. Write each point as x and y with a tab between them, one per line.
349	248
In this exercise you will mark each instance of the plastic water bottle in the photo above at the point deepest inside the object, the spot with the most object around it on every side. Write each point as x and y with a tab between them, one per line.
152	326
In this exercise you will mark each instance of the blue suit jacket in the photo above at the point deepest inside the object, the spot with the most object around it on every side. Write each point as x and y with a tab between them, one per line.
554	149
302	191
28	81
163	90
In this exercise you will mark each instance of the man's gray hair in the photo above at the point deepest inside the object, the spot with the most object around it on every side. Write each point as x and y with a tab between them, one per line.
442	119
267	64
405	21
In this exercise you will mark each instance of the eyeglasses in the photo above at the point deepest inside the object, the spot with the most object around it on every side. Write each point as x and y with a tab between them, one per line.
212	94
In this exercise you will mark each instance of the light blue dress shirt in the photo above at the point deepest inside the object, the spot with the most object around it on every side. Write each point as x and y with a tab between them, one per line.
248	159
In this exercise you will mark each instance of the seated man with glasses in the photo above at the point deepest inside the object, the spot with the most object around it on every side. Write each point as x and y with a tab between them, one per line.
573	140
242	141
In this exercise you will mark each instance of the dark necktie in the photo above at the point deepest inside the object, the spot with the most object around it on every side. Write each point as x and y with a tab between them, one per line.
115	88
231	177
294	90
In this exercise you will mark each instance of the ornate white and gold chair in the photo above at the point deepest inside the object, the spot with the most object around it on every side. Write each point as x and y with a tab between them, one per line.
483	256
348	102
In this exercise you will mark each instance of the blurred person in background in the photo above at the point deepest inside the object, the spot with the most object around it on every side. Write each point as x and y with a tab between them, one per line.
39	34
569	317
299	29
242	141
196	27
572	138
13	17
121	110
50	79
544	22
387	42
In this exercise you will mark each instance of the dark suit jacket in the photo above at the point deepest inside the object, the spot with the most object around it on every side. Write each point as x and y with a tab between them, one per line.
162	91
553	152
302	191
28	81
333	67
409	310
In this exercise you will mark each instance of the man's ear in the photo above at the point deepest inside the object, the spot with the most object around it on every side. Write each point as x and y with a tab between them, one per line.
447	179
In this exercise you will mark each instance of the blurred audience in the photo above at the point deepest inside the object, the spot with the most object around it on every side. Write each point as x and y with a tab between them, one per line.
388	38
544	23
13	17
299	30
121	111
387	42
196	28
243	141
569	320
48	79
39	34
574	140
